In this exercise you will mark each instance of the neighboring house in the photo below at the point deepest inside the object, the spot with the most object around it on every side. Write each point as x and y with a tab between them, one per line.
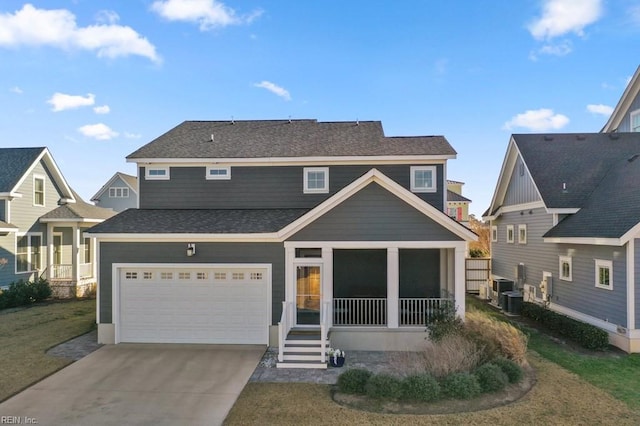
255	231
42	221
626	115
565	221
119	193
457	205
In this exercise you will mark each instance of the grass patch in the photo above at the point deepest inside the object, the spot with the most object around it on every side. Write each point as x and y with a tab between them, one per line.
26	334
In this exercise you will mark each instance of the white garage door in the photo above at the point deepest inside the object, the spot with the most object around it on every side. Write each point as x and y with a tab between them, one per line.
194	304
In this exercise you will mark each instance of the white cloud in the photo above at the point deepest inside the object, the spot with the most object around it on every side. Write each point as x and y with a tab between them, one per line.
208	14
600	109
560	17
16	89
132	135
103	109
61	101
99	131
274	88
538	120
57	28
107	16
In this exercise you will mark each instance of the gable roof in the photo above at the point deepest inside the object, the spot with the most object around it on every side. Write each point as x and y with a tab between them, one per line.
282	139
130	181
16	163
630	93
454	196
565	167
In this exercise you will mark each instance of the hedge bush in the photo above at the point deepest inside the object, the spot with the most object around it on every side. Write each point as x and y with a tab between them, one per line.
420	387
587	335
491	378
384	386
23	293
513	371
460	386
354	381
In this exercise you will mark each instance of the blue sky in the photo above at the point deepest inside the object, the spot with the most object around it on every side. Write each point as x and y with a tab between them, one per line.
95	80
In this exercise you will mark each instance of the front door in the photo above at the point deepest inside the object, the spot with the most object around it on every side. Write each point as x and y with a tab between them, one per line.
57	249
308	285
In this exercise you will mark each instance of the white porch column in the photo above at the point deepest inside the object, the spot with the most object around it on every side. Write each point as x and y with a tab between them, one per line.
393	286
289	280
94	259
327	280
75	253
49	264
460	252
631	279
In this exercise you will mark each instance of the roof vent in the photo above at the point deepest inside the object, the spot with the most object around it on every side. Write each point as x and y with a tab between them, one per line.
614	136
581	137
564	188
233	121
548	137
213	139
633	157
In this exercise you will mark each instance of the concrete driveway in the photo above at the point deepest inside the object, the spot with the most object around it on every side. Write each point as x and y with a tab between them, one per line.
137	384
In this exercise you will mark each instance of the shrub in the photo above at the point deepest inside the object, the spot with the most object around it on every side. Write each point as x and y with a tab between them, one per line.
586	335
384	386
491	378
451	354
460	386
354	381
41	290
443	322
497	338
513	371
22	293
421	387
477	252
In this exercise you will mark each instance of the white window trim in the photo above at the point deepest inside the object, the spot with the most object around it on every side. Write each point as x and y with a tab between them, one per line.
494	234
226	176
632	115
308	190
599	263
29	245
565	259
434	179
147	176
44	190
510	234
521	239
122	189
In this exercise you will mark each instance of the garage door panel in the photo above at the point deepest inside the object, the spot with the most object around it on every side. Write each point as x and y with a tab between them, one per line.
200	305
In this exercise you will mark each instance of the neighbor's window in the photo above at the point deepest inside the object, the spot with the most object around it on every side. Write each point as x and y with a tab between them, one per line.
494	234
423	178
604	274
316	180
28	253
38	190
218	173
157	173
510	235
635	121
116	192
522	234
565	268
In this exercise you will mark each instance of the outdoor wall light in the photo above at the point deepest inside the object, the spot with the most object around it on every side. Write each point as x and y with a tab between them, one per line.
191	249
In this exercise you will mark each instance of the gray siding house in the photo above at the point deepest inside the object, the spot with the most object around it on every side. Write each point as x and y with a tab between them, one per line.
261	231
42	224
565	220
118	194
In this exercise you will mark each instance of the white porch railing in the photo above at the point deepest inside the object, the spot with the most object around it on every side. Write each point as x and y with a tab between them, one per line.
86	270
418	311
325	324
284	326
359	311
65	272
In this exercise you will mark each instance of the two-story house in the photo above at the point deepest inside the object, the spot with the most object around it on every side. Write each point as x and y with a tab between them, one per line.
42	224
249	231
457	204
118	194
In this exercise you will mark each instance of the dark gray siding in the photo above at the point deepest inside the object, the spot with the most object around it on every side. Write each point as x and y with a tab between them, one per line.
374	214
521	188
110	253
637	283
625	124
580	294
261	187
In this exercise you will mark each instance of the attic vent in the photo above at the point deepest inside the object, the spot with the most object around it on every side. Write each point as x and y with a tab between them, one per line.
548	137
633	157
581	137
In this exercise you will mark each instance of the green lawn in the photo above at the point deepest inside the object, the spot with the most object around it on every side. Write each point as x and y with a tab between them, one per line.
27	333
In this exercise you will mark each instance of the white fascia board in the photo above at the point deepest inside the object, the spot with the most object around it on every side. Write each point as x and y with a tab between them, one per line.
68	220
563	210
378	177
10	195
375	244
192	238
618	114
584	240
8	230
516	208
631	234
296	161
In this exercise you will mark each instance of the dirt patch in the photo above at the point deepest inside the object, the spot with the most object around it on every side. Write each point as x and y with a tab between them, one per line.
510	394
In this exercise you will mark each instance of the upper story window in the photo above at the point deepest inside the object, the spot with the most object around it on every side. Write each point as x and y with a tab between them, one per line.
423	178
38	190
510	234
635	121
604	274
157	173
566	268
494	234
28	252
218	173
116	192
316	180
522	234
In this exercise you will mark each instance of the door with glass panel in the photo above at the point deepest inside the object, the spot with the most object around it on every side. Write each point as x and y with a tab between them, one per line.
308	285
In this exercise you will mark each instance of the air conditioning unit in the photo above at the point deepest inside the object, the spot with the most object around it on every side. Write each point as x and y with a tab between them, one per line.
546	288
499	286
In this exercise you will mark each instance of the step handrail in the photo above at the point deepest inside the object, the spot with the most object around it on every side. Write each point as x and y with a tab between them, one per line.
284	327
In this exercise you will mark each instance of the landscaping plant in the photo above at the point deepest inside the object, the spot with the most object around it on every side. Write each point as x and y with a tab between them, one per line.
491	378
420	387
354	381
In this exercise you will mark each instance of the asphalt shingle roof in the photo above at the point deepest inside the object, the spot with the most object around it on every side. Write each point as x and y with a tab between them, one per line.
6	225
78	210
286	138
454	196
14	162
178	221
132	181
